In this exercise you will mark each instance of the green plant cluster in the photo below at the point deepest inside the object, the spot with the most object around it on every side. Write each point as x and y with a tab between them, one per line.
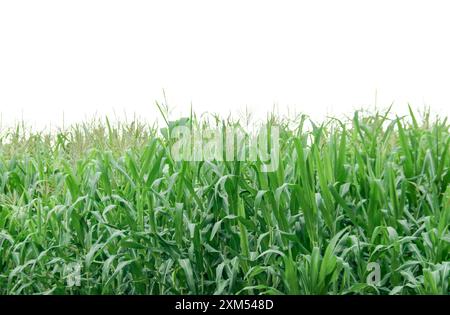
109	198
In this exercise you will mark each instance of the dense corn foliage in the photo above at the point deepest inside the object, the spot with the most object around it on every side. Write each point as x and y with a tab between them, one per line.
109	199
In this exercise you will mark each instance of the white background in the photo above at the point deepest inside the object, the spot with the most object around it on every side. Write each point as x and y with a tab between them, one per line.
319	57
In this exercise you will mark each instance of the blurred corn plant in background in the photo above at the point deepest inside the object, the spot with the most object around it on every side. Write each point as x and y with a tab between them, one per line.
109	201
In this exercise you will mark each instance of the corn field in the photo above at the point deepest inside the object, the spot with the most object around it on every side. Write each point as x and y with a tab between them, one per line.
356	206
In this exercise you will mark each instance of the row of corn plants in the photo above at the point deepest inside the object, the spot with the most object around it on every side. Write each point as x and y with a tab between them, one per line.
103	208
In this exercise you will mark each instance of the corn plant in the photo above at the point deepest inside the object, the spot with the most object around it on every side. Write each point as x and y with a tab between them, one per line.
109	205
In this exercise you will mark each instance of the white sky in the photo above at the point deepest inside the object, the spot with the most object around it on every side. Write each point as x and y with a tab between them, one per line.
85	57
